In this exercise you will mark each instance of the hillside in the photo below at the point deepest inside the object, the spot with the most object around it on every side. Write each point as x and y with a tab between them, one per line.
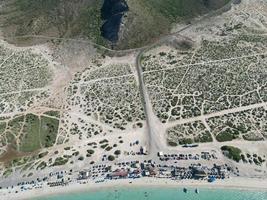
145	20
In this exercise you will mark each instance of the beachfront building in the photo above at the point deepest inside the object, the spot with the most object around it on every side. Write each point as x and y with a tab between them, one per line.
199	172
143	151
178	173
117	174
84	175
165	174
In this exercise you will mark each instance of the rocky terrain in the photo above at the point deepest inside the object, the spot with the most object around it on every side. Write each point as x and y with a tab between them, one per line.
144	22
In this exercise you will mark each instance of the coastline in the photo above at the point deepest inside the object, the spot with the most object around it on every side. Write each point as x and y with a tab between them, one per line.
235	183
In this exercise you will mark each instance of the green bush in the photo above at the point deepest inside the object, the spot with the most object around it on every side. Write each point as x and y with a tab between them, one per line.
186	141
233	153
117	152
173	144
81	158
60	161
108	148
90	151
227	135
104	146
111	158
103	141
43	154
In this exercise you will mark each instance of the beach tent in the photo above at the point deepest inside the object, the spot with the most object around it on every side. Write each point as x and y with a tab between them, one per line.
211	179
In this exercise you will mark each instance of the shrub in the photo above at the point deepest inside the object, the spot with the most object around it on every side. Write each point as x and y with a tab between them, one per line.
81	158
117	152
243	158
103	141
227	135
76	153
111	158
173	144
60	161
104	146
233	153
186	141
90	151
255	160
108	148
43	154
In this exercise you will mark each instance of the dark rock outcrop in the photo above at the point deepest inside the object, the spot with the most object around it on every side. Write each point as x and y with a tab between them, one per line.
112	12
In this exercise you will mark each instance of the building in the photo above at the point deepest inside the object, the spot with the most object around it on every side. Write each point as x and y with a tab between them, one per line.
160	154
119	173
165	174
143	150
84	175
199	173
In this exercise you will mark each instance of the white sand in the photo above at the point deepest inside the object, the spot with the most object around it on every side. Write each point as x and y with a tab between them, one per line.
232	183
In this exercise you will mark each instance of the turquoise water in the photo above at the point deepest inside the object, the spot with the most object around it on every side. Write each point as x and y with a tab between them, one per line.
162	194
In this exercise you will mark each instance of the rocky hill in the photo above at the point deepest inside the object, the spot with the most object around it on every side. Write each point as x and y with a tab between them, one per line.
141	21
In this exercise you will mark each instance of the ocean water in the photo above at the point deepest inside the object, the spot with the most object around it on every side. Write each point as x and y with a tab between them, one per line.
162	194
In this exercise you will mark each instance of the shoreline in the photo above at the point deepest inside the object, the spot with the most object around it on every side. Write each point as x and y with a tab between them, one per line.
235	183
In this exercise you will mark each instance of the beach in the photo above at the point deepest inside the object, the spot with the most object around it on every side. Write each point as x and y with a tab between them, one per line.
237	183
157	193
189	110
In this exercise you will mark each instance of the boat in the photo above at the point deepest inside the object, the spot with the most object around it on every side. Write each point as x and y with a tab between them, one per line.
196	191
185	190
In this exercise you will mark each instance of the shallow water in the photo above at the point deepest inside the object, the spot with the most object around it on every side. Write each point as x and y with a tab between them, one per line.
162	194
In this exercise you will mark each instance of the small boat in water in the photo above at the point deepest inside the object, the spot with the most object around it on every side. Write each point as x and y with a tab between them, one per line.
185	190
196	191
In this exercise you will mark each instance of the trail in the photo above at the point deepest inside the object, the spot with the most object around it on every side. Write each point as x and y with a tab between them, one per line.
156	140
216	114
153	124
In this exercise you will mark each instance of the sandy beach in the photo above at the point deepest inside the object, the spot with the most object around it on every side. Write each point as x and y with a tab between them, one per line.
232	183
78	117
